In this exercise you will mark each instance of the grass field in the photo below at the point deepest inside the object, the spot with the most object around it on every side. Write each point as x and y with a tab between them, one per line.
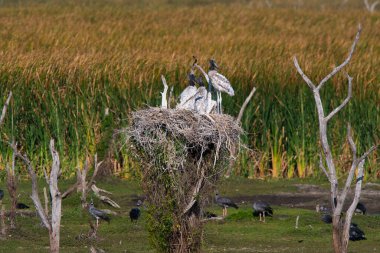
78	68
240	232
68	61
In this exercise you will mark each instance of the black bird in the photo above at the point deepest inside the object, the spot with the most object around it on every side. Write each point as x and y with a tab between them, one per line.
326	218
356	234
209	215
262	209
21	206
225	203
1	194
135	212
360	208
98	214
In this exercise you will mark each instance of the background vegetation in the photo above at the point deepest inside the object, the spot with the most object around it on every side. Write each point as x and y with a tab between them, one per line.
69	63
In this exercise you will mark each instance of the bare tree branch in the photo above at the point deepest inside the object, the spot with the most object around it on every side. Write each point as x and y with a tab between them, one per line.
4	111
351	142
345	102
323	167
337	69
245	104
33	176
305	77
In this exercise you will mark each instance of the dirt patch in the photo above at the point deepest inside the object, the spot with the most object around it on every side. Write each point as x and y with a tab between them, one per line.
307	196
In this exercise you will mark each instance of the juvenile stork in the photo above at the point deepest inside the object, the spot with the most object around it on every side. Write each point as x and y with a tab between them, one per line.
262	209
187	97
220	83
98	214
203	101
225	203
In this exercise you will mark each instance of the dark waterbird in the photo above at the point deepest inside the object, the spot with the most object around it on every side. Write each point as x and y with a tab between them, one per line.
1	195
360	209
98	214
135	212
262	209
225	203
326	218
22	206
356	234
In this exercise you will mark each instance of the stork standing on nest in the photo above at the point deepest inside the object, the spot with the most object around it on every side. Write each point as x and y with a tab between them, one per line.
220	83
187	97
216	80
225	203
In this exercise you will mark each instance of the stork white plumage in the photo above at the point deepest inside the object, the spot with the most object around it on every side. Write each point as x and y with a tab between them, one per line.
187	97
220	83
203	101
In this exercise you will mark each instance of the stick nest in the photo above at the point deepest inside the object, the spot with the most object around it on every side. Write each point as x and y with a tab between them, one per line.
151	128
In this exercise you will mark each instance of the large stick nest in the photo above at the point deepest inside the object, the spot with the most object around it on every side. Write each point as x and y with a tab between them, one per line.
150	128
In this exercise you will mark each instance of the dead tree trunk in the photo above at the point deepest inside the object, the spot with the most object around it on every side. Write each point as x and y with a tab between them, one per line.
54	225
340	227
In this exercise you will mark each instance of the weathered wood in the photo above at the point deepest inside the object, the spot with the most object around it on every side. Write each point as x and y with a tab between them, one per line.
5	107
340	227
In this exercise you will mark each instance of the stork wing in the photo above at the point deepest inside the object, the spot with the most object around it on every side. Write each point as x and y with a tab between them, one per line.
221	83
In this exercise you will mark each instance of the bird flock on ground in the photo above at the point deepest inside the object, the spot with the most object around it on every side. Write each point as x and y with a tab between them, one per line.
355	233
261	209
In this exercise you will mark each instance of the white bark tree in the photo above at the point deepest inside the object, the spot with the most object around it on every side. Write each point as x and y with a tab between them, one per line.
53	224
371	7
341	226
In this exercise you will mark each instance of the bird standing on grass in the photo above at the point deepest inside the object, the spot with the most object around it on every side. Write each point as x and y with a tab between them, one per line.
135	212
21	206
360	209
262	209
225	203
1	195
220	83
98	214
356	234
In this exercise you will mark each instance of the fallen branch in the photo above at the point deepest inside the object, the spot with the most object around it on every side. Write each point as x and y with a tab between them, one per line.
103	198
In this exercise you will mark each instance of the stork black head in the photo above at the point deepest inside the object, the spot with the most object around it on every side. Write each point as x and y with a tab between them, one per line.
192	78
213	65
200	81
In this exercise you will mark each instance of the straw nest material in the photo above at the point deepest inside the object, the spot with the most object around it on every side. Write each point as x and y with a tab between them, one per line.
152	127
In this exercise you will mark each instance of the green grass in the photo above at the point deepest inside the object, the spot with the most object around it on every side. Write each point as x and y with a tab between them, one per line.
239	232
67	62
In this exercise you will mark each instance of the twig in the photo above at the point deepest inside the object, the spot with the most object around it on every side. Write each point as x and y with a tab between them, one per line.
4	111
245	104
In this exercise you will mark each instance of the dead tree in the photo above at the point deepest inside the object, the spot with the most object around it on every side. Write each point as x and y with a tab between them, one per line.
338	196
12	190
83	185
54	223
371	7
